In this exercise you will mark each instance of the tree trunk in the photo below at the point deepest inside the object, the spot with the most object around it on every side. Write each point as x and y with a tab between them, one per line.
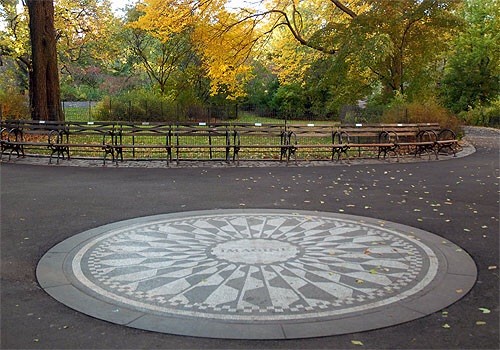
45	99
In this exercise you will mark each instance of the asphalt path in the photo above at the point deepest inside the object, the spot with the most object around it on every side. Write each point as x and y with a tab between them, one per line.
457	199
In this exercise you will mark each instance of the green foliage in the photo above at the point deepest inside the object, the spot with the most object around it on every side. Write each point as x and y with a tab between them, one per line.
150	106
11	76
260	91
483	115
472	74
136	105
326	85
329	84
398	43
80	92
290	101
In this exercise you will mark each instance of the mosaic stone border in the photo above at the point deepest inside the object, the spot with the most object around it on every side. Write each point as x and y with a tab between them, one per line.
454	270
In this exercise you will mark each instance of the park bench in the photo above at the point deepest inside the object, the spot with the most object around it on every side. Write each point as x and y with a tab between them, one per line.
182	140
32	135
315	140
261	140
369	139
132	138
447	140
400	139
90	138
195	138
215	141
11	139
58	138
425	138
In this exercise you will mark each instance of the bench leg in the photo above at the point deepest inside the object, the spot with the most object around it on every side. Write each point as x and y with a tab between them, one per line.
344	151
292	152
236	155
382	150
396	151
55	150
169	155
338	152
12	150
108	150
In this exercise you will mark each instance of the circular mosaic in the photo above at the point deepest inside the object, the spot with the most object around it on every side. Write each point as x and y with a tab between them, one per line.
256	269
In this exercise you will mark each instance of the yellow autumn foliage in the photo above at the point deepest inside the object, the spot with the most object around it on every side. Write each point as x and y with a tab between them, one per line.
391	41
222	41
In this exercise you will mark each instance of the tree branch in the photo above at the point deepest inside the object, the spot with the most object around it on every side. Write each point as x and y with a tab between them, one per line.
291	27
344	8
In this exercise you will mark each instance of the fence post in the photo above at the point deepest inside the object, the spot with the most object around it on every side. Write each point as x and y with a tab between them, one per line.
90	111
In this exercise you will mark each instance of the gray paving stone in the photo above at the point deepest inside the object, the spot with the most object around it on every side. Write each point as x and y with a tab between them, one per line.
467	149
73	297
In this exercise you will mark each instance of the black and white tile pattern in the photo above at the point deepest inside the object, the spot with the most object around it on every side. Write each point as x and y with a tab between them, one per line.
254	267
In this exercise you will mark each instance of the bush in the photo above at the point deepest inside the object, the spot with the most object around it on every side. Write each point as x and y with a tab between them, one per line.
14	105
148	106
421	112
137	105
483	115
290	101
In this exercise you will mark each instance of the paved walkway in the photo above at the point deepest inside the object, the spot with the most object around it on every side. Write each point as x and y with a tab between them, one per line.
455	199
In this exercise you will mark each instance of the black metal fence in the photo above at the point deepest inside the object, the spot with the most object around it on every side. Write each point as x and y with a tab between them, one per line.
158	111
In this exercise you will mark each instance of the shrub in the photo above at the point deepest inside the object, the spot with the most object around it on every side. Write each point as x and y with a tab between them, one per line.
137	105
421	112
13	105
148	106
483	115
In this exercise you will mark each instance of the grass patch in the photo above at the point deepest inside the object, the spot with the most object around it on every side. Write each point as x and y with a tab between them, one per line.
77	114
84	114
250	118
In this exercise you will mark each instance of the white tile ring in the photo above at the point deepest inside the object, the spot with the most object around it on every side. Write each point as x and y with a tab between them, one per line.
258	274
